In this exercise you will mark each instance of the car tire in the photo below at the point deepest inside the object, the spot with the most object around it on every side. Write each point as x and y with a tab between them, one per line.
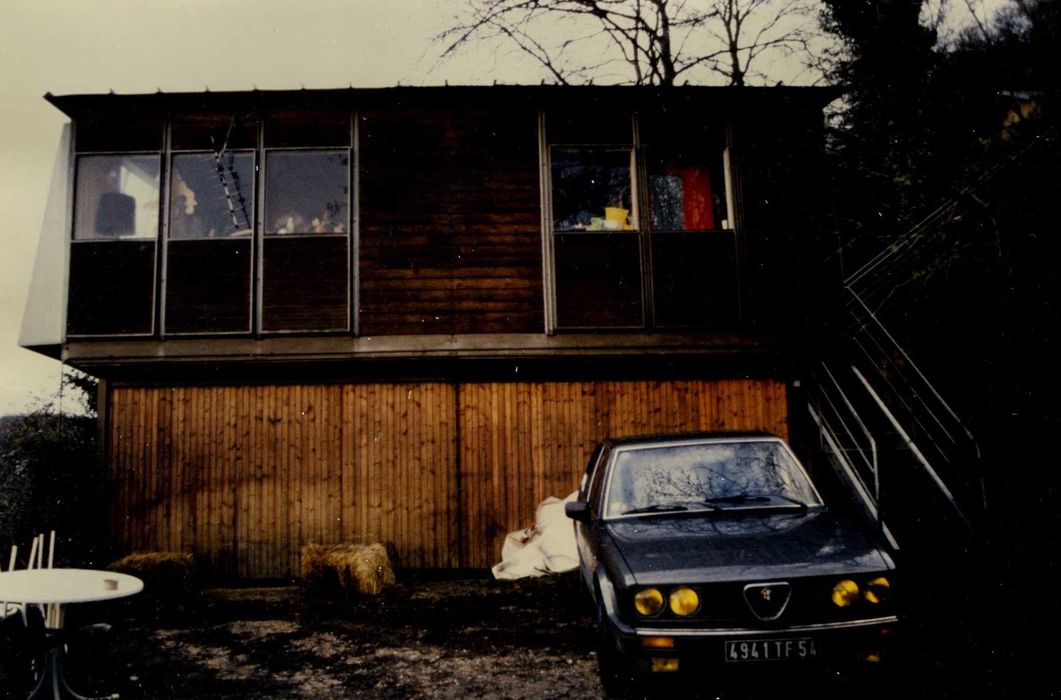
616	681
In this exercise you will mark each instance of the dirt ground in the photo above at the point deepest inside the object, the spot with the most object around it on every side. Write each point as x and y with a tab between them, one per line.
466	638
434	637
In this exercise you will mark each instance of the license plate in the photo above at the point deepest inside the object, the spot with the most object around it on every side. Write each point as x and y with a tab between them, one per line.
802	648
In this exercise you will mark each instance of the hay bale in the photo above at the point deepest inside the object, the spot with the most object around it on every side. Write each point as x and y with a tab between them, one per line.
356	568
163	573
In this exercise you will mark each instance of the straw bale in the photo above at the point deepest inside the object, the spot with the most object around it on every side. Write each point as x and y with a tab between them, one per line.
166	573
356	568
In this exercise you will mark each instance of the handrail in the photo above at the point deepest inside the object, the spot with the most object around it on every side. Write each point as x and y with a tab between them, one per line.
913	448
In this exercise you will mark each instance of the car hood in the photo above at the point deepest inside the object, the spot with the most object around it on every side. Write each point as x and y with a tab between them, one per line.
717	547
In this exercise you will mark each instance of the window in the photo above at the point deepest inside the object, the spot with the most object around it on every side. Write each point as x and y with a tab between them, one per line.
686	190
640	232
307	192
247	216
306	250
209	251
117	197
115	232
592	189
212	195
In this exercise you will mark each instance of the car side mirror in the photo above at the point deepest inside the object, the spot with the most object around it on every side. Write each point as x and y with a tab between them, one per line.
579	510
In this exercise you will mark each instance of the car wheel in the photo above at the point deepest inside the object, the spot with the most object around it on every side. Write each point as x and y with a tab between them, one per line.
615	679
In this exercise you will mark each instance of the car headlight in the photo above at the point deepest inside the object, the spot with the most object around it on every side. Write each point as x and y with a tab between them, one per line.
648	601
684	601
878	590
845	593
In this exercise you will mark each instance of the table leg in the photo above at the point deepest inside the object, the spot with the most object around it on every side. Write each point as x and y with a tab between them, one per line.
52	681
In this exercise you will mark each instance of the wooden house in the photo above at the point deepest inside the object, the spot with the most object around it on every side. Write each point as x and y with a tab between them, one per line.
409	314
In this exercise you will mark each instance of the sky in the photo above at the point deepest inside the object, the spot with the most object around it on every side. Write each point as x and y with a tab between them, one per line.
138	46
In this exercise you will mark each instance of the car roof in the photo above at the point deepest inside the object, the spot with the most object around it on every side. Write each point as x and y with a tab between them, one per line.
690	437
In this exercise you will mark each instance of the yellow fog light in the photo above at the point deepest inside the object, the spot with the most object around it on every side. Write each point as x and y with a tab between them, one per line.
845	593
878	590
648	601
664	665
684	601
657	642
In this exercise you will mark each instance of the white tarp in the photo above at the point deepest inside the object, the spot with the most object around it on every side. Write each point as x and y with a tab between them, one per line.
547	548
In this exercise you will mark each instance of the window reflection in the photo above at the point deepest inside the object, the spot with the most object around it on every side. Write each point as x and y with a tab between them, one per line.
307	192
696	473
591	190
686	193
212	196
116	197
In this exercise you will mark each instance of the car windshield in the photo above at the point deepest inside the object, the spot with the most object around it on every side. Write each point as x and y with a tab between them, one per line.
713	476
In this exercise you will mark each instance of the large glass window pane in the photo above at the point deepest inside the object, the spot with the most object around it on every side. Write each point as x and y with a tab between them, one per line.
591	189
307	192
686	192
212	196
116	197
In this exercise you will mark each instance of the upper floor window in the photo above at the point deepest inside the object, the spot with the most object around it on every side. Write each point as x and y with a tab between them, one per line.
211	195
113	255
306	278
640	228
592	189
116	196
228	263
686	189
307	192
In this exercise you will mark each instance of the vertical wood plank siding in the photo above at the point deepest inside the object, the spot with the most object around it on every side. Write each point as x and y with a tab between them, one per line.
244	476
450	221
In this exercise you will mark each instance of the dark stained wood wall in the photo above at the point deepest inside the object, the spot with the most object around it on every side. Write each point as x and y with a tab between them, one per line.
450	221
244	476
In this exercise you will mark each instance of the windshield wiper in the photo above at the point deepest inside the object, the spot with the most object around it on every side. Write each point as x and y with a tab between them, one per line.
743	498
658	508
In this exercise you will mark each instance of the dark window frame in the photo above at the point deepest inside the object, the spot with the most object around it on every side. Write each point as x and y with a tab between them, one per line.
162	239
350	235
73	241
196	241
642	227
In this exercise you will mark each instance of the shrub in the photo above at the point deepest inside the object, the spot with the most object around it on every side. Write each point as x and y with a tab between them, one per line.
355	568
50	479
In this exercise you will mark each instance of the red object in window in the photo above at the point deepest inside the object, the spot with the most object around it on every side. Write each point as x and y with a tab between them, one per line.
697	205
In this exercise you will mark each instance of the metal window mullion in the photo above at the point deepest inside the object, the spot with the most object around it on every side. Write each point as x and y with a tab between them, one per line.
162	231
639	197
548	247
353	272
258	237
734	198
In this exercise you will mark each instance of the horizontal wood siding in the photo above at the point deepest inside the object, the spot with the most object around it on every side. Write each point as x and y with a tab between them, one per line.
244	476
450	229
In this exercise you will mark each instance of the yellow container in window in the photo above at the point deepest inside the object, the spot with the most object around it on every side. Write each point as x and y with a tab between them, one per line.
615	218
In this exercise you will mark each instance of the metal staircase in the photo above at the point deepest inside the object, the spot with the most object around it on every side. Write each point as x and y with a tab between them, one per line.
892	437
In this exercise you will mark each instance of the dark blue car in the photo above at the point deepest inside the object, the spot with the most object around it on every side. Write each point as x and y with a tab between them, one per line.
716	555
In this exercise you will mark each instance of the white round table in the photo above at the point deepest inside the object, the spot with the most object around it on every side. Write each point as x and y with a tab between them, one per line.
45	586
57	587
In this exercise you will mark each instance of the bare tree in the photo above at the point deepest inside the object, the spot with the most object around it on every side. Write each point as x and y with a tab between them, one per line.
644	42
